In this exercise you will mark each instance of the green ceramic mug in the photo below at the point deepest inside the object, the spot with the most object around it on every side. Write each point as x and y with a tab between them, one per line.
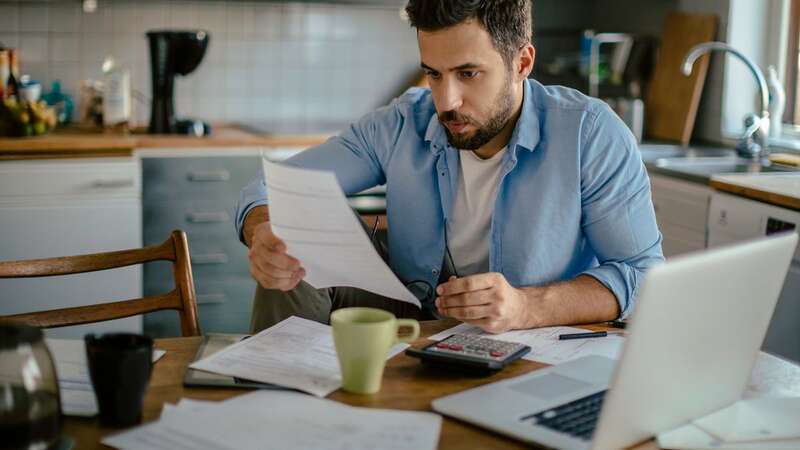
363	337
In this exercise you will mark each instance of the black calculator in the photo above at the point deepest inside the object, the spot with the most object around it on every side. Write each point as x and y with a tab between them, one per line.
470	352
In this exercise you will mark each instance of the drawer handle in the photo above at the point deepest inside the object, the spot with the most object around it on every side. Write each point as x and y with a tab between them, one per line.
118	183
207	217
210	258
211	299
209	175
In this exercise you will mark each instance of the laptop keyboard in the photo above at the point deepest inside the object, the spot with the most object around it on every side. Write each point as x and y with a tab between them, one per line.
577	418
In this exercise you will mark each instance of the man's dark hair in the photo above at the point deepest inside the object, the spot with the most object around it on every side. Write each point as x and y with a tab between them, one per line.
509	22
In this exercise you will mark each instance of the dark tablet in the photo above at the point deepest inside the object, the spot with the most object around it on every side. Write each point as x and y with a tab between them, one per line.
212	343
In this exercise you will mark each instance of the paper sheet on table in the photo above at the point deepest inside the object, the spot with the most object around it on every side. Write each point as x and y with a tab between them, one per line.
279	419
72	369
692	437
296	353
544	343
309	212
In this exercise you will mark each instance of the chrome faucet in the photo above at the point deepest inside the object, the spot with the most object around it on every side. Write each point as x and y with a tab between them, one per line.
753	143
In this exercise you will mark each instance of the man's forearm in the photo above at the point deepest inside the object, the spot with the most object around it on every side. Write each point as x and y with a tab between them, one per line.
256	216
581	300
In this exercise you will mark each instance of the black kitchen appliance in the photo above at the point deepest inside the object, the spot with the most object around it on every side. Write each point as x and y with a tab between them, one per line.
173	53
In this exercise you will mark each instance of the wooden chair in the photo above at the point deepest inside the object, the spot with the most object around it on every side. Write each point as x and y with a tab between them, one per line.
182	298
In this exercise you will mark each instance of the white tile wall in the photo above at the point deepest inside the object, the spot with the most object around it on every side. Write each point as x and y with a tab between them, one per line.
267	62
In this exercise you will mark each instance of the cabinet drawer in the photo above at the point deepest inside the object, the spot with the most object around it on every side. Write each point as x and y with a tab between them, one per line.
223	306
195	217
85	177
691	213
210	258
223	176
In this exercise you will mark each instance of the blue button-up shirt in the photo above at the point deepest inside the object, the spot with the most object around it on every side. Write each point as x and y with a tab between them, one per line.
573	196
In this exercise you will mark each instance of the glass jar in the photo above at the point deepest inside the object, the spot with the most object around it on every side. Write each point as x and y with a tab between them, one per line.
30	408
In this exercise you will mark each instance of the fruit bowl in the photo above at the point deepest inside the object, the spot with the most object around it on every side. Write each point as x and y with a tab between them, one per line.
26	118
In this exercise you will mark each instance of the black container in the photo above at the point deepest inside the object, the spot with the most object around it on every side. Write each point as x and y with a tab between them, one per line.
119	365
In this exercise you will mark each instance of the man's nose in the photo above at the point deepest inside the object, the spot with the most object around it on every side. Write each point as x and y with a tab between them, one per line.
450	96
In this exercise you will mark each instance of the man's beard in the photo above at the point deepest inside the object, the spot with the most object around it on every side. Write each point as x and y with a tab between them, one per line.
501	112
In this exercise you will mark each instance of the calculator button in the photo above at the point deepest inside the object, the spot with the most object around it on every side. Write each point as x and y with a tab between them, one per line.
442	345
455	347
497	354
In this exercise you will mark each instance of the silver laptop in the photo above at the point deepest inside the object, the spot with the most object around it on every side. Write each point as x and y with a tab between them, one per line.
694	337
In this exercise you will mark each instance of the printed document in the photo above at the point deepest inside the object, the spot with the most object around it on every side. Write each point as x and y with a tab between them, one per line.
74	382
545	345
309	212
296	353
281	420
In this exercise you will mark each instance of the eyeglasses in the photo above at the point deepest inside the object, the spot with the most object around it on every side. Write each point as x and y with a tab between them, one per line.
421	289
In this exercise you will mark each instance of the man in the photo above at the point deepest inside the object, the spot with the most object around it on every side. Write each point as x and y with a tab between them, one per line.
537	195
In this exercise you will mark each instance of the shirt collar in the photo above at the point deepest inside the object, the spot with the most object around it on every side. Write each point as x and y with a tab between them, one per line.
526	133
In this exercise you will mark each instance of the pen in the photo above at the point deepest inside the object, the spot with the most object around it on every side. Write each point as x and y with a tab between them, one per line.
591	334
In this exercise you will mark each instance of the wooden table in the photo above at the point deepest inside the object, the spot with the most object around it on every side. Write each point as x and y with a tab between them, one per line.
406	385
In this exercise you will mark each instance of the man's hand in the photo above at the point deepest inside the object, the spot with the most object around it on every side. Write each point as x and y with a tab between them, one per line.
270	265
485	300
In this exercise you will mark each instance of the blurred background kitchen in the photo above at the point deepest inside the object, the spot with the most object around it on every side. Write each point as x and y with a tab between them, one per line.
283	76
307	65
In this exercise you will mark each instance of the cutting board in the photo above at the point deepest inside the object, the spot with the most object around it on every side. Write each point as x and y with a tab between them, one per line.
672	98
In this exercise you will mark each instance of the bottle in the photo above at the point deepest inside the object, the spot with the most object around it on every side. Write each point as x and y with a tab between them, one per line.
12	83
116	94
5	71
60	101
587	37
777	101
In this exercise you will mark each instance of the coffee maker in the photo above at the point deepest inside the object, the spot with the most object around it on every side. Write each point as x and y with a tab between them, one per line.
173	53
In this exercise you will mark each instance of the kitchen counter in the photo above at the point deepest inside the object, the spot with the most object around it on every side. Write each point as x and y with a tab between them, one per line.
75	142
780	189
702	172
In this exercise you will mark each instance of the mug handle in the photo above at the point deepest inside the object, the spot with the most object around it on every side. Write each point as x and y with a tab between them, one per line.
407	323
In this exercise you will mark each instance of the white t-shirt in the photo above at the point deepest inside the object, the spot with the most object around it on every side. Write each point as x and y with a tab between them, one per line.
469	228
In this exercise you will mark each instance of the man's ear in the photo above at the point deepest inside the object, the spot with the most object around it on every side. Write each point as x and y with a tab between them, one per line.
525	60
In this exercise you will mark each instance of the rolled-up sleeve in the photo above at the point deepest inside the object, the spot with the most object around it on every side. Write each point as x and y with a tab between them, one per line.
254	194
617	210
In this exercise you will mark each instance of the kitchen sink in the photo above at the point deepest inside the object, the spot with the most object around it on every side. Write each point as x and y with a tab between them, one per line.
653	152
699	164
707	166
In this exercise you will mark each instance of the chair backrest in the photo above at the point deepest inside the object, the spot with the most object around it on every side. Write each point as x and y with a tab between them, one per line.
182	298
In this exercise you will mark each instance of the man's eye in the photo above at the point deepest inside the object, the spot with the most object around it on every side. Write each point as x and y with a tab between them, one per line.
434	75
468	74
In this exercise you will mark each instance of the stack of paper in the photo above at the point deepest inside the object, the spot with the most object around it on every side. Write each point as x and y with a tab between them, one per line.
545	345
72	369
296	353
281	420
771	423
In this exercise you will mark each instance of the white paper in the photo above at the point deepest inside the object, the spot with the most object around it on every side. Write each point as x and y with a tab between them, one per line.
282	420
544	342
309	212
755	419
159	436
692	437
74	382
296	353
185	404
